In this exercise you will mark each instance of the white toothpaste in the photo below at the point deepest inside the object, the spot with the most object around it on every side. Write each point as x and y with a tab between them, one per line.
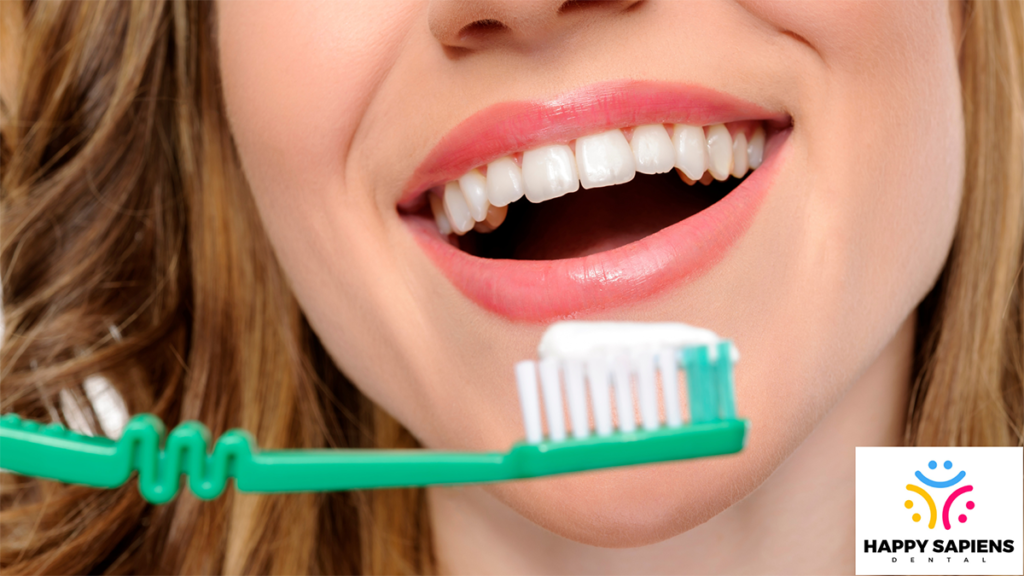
583	340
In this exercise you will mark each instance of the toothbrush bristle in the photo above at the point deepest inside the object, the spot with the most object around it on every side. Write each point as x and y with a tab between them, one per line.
647	392
600	395
576	392
613	369
670	387
551	385
526	380
621	378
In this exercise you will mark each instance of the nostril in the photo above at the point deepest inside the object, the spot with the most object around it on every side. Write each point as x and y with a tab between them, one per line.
577	5
482	27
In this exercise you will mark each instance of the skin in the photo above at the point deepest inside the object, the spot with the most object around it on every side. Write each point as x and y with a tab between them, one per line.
819	294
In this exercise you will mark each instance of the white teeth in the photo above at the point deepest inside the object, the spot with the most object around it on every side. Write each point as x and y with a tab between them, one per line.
652	149
698	154
456	209
691	150
604	159
549	172
719	151
755	149
437	207
474	188
739	155
495	216
504	182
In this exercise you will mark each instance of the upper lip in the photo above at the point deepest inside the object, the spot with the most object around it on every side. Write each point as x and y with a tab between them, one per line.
510	127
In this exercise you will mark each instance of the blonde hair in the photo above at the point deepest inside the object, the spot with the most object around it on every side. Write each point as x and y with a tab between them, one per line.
969	385
123	205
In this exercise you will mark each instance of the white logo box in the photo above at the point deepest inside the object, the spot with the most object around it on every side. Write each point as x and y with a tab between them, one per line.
985	521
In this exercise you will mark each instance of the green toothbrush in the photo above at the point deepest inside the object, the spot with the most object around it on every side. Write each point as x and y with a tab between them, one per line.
607	358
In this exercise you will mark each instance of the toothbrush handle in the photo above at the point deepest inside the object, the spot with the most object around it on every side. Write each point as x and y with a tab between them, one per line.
54	453
326	470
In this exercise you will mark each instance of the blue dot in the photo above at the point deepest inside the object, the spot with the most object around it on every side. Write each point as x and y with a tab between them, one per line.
947	465
932	464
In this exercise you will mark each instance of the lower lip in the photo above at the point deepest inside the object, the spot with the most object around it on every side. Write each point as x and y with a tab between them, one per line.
542	291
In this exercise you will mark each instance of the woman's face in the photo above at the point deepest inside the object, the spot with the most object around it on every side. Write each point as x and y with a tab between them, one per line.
348	116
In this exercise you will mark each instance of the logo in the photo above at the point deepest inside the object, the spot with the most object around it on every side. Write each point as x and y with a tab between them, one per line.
937	484
953	510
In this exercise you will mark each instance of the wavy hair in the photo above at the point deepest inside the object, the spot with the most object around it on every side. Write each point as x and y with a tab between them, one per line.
131	249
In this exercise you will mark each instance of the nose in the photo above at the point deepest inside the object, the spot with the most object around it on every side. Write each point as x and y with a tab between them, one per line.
473	25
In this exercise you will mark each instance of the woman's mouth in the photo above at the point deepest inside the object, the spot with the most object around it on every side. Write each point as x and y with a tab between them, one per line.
539	211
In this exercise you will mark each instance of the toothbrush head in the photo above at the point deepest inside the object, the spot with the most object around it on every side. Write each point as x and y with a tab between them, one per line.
603	375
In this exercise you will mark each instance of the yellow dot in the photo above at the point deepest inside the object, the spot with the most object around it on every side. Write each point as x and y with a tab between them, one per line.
916	517
909	504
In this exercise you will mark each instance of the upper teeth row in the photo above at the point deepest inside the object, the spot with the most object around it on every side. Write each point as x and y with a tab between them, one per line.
605	159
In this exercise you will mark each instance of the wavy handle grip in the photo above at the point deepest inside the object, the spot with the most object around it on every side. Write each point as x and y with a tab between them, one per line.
55	453
185	452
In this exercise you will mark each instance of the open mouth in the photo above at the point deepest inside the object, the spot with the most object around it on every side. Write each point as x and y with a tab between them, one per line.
593	200
595	193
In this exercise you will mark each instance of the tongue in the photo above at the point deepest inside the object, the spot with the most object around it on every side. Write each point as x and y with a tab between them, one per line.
591	221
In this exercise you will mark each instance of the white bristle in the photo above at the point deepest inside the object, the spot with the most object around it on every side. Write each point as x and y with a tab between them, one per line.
594	357
670	387
600	394
552	386
647	390
576	393
529	400
624	395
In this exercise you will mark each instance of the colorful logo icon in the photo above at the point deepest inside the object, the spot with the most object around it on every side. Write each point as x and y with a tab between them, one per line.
939	484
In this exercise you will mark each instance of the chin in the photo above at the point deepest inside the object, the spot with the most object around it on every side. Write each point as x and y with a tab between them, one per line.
638	506
642	505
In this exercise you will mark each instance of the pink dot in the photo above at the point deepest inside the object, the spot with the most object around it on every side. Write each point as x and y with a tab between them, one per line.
962	518
970	505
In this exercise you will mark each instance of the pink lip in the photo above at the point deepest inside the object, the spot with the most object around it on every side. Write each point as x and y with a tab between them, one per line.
518	126
547	290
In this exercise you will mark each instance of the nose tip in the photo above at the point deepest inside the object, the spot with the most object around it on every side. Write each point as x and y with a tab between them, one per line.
470	25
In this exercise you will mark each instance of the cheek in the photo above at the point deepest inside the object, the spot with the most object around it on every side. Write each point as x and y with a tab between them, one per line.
891	162
880	132
297	80
859	230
